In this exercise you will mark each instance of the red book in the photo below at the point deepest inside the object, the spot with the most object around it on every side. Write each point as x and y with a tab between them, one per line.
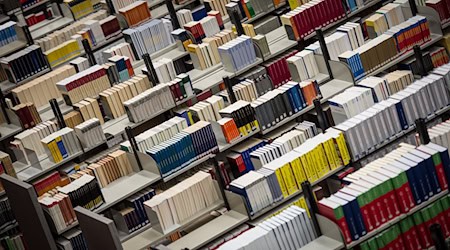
409	234
335	212
438	165
422	230
377	216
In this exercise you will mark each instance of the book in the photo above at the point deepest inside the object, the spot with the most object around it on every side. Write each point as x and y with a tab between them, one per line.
302	66
30	138
237	54
60	210
71	239
90	133
184	16
201	192
243	114
135	13
441	8
110	168
83	191
24	64
27	114
80	8
61	144
350	103
124	67
121	49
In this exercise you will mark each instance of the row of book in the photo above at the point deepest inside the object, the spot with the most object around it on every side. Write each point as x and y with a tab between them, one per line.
35	18
388	84
157	135
148	103
73	118
181	88
278	69
65	34
6	214
131	215
290	229
43	88
302	66
83	191
112	167
13	242
439	134
49	182
206	54
207	110
8	33
279	104
303	20
90	133
61	144
113	98
24	64
439	56
87	83
80	8
237	54
122	68
31	138
383	19
239	157
441	7
386	188
200	192
59	208
244	116
283	176
6	167
193	143
27	114
150	37
283	144
121	49
165	70
413	231
390	117
72	240
184	16
250	9
88	108
136	13
350	103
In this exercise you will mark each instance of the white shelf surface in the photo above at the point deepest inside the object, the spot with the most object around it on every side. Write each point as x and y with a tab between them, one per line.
31	173
328	90
12	47
224	146
323	243
126	186
258	216
162	10
52	26
171	52
210	231
8	130
7	86
150	236
397	219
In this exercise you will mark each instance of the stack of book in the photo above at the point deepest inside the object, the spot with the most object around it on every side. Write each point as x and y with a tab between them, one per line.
210	25
48	183
388	118
276	105
239	157
24	64
260	79
87	83
439	134
30	138
244	116
207	110
73	239
80	8
84	192
278	69
69	32
6	167
149	103
121	49
113	98
89	108
131	215
283	176
27	114
237	54
194	142
387	188
73	118
136	13
114	166
350	103
202	193
60	210
290	229
397	80
90	133
8	33
80	64
301	21
124	67
157	135
283	144
165	70
184	16
150	37
302	66
16	241
206	54
64	52
439	56
229	129
441	7
61	144
246	90
251	8
181	88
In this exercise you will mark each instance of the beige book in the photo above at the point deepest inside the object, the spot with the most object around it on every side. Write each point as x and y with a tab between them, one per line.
96	107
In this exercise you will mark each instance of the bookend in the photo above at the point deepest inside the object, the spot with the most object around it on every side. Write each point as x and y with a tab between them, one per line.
57	113
420	61
312	205
28	213
234	17
89	53
132	141
98	231
156	225
20	31
422	130
323	123
28	36
29	158
173	15
221	183
4	107
151	72
229	85
325	53
110	7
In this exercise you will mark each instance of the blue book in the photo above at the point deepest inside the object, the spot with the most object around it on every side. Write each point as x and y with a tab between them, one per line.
413	182
61	147
401	115
444	157
419	176
431	170
349	217
356	210
429	188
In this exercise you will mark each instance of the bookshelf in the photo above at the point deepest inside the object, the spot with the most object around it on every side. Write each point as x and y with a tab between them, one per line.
325	243
187	168
35	5
7	86
162	10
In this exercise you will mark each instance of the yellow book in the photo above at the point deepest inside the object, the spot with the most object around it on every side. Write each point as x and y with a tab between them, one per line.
302	204
280	179
293	4
345	155
313	166
329	154
289	179
323	158
297	168
57	157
